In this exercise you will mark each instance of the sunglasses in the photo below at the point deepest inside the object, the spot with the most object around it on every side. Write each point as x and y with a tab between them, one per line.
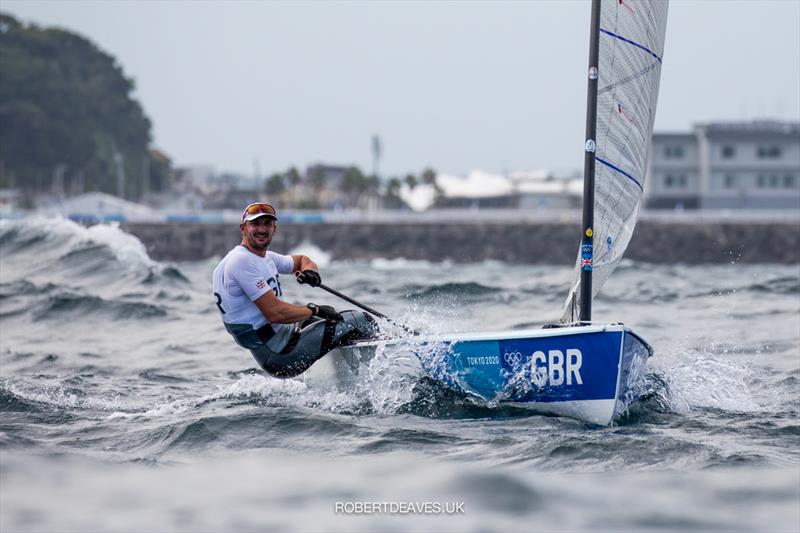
258	209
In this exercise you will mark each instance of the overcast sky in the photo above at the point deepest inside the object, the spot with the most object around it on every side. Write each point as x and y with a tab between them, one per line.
456	86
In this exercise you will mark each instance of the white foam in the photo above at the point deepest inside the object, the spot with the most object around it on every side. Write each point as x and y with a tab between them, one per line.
255	386
440	319
401	263
311	250
698	379
55	395
128	249
389	378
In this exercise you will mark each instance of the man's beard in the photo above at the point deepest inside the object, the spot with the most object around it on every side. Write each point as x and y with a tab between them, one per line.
251	239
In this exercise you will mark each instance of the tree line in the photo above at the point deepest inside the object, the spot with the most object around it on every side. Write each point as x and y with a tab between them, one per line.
68	120
352	188
69	124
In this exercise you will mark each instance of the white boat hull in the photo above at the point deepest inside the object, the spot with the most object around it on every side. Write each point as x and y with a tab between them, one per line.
583	372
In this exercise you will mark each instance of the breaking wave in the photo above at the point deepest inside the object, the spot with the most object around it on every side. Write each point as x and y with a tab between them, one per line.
56	269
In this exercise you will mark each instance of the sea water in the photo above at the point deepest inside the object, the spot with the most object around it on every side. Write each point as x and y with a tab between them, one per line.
126	406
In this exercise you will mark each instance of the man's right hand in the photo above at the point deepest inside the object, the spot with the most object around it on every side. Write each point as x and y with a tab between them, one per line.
325	312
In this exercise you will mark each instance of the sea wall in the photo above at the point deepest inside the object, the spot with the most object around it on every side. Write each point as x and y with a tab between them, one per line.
520	242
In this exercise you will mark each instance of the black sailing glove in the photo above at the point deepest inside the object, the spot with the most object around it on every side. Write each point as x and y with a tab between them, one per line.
325	312
310	277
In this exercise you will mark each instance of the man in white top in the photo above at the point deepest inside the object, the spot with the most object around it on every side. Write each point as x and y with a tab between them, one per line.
285	339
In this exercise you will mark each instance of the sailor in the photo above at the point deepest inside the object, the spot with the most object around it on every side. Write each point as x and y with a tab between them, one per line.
285	339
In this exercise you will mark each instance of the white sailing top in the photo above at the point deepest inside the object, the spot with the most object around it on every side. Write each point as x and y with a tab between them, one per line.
242	277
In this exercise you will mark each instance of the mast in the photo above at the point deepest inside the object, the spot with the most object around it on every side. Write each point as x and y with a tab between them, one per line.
587	238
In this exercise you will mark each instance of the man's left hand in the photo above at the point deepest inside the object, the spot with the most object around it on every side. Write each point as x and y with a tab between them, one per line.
309	277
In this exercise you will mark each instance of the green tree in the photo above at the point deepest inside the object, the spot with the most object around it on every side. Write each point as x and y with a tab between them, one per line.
317	179
293	177
65	104
276	185
429	176
353	181
393	188
159	170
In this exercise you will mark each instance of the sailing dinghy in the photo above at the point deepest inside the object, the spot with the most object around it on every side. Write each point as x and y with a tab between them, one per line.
578	368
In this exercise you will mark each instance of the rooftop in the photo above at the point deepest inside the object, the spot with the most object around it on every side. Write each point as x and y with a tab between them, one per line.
752	127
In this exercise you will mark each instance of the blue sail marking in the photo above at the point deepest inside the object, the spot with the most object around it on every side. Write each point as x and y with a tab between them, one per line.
637	45
615	167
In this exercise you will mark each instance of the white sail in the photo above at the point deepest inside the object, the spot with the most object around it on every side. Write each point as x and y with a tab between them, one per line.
631	50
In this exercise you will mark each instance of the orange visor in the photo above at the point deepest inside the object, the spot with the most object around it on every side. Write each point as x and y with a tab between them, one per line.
258	209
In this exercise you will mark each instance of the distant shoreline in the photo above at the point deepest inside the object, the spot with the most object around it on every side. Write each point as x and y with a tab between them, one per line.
682	239
396	216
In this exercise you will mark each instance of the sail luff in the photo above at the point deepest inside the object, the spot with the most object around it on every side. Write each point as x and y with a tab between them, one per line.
589	167
631	46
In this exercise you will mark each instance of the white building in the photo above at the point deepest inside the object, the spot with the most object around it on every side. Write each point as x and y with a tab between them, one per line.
194	178
726	165
536	189
540	189
95	207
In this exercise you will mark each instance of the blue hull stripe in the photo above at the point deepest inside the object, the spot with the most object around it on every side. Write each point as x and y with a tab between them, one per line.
531	370
637	45
615	167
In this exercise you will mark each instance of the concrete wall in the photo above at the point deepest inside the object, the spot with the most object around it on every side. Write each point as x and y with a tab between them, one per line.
523	242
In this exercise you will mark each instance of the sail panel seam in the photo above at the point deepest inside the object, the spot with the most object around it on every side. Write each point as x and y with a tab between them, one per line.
615	167
634	43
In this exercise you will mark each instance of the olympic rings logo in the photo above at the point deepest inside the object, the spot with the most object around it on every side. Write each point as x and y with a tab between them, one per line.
512	359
